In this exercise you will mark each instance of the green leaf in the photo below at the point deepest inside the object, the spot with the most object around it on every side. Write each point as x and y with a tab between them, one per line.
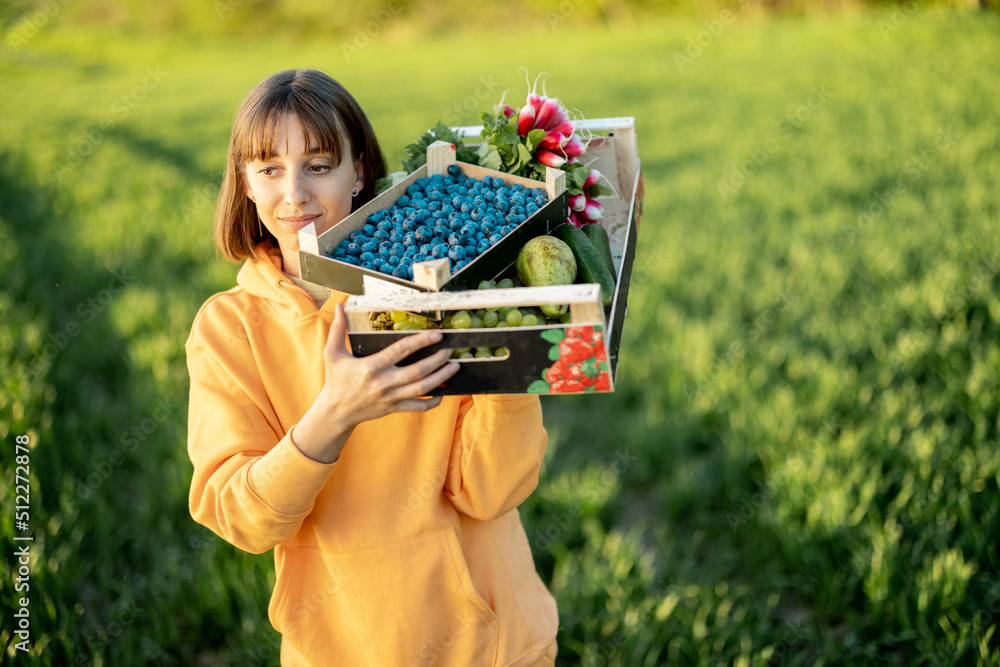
554	353
538	387
491	160
534	137
553	335
579	176
523	153
600	190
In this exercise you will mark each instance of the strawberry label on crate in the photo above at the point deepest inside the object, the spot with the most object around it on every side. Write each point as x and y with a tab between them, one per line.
580	362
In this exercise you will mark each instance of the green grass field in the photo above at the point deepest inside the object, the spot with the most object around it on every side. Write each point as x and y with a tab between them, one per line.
800	465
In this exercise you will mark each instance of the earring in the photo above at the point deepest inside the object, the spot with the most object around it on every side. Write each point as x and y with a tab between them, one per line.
354	192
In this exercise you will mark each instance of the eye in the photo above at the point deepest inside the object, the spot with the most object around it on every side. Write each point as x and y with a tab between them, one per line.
319	168
267	171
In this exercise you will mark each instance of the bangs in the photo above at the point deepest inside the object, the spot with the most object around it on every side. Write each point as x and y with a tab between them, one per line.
321	128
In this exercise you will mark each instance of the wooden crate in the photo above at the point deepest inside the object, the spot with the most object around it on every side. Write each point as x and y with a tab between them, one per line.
431	275
540	357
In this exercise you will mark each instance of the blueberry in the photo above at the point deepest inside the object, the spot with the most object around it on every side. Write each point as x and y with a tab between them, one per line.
502	205
483	246
454	170
511	219
367	257
423	234
397	249
531	208
399	271
456	253
440	250
419	257
381	234
403	200
494	239
353	249
409	239
350	259
396	235
470	249
425	249
392	261
368	229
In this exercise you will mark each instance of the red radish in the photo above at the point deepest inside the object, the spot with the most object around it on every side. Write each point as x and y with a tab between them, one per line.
571	160
577	202
593	211
592	178
526	120
574	147
566	128
574	219
535	101
508	110
549	107
558	118
553	141
550	159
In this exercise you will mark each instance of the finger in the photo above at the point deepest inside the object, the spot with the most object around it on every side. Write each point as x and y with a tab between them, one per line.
426	384
404	347
403	375
418	404
336	341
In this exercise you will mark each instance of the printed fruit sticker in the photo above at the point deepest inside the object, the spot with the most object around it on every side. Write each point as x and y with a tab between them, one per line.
581	362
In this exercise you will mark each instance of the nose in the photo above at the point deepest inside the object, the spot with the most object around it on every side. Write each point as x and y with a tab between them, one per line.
296	192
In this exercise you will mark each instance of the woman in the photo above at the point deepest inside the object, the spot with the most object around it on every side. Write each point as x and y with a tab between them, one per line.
393	517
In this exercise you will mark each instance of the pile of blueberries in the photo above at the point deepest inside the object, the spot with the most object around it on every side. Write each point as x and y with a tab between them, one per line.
451	216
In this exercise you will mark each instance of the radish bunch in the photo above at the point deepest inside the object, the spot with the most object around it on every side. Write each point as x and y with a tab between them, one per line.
542	134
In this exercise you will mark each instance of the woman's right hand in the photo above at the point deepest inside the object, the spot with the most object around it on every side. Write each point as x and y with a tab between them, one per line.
357	389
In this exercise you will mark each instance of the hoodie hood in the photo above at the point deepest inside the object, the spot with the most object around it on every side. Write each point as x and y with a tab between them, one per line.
262	276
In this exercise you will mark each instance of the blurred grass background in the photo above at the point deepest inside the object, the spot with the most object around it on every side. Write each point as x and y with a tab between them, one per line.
800	463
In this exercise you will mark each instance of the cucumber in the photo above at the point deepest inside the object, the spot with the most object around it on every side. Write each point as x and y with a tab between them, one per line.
588	261
599	237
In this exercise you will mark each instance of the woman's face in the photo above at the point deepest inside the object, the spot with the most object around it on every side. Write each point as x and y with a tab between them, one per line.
299	185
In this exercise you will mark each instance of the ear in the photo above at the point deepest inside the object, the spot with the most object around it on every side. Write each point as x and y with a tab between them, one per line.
359	173
248	191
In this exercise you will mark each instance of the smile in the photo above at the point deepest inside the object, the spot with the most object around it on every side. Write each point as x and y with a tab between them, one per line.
297	222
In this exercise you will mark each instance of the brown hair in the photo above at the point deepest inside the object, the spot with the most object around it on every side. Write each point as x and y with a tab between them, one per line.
328	114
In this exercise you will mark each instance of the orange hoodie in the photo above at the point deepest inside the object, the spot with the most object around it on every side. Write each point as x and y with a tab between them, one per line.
409	549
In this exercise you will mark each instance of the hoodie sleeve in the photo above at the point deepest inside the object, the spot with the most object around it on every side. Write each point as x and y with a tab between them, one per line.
496	454
251	485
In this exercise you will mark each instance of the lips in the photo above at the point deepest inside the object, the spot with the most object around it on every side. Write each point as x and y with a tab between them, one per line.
297	222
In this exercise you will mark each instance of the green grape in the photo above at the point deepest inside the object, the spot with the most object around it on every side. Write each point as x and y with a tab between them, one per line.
483	352
567	318
406	326
501	351
505	283
398	315
529	320
485	284
476	322
446	322
458	352
501	324
465	355
505	310
480	312
513	317
491	318
419	321
461	320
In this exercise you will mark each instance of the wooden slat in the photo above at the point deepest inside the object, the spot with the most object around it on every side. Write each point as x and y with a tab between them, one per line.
486	298
432	273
